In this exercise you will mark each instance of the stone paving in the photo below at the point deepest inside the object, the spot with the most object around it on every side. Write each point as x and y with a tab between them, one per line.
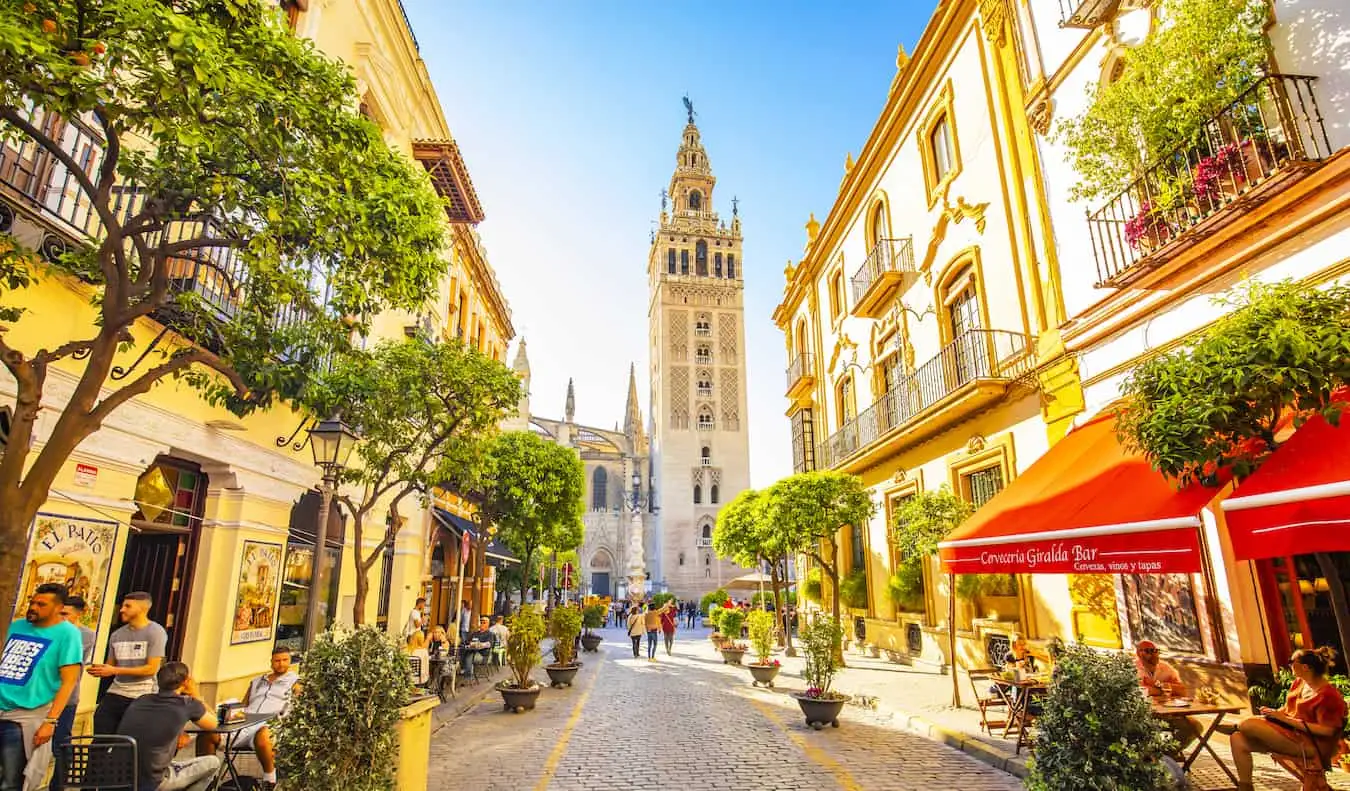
687	718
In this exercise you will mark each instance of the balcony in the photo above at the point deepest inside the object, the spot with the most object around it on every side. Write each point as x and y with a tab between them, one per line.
969	374
801	375
881	276
1259	145
703	543
1086	14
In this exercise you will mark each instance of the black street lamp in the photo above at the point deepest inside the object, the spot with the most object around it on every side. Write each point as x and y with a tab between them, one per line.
332	441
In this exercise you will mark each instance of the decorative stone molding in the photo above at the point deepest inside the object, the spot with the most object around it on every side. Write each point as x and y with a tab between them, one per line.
1039	116
899	476
995	16
975	444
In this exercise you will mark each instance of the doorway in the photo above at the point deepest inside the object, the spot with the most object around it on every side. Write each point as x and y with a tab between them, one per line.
1300	610
600	583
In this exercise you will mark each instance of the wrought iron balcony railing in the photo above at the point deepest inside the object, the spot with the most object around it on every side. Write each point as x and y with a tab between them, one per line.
1270	136
802	366
974	355
888	257
1086	14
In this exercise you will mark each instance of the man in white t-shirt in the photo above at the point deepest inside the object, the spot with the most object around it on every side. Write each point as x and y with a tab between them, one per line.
269	693
499	631
415	618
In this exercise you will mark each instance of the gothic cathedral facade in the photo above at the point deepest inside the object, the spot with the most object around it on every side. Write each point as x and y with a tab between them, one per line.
699	446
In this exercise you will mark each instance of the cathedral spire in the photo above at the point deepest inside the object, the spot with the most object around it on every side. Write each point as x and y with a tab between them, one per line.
521	365
632	419
570	411
691	185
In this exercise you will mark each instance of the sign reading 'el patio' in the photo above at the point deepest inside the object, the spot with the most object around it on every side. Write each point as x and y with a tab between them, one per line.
1155	552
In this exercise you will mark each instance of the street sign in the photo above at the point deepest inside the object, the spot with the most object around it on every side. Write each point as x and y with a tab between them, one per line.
464	544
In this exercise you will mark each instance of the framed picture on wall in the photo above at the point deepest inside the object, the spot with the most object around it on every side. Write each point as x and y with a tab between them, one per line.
255	603
1162	608
70	551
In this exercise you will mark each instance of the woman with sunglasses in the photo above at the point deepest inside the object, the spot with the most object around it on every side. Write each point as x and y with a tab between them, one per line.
1308	727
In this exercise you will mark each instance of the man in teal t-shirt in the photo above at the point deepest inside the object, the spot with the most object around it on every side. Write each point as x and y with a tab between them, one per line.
39	668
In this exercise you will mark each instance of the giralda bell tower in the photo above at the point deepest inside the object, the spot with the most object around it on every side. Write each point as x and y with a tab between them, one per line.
696	313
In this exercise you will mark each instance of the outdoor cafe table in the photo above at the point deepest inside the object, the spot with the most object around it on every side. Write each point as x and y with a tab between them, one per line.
229	734
1164	711
1019	694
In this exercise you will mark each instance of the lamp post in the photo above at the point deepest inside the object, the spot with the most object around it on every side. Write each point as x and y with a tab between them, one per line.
332	441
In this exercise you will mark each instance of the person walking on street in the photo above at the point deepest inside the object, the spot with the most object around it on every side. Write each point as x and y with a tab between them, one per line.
652	619
137	650
691	612
669	618
39	669
636	628
73	612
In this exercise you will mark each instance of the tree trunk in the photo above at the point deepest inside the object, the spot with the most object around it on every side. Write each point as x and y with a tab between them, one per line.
525	575
14	540
787	619
362	589
1339	605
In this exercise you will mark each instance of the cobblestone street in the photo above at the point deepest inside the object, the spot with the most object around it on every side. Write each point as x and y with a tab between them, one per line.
683	719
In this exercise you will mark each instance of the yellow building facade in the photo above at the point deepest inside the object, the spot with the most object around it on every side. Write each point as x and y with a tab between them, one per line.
917	324
217	516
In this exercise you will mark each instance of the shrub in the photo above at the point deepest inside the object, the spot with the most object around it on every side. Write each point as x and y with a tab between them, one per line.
968	586
760	624
853	589
789	599
659	600
1096	731
820	642
593	617
905	587
345	673
709	599
522	646
731	624
716	618
812	588
564	624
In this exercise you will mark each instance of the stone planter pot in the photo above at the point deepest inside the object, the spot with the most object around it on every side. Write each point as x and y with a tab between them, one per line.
562	675
591	642
732	656
764	674
518	700
820	712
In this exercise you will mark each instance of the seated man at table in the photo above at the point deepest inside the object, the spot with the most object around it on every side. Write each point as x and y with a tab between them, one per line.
1162	681
269	693
156	721
478	644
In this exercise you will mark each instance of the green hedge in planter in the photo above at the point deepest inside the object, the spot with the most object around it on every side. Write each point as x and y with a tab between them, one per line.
760	624
1097	733
731	624
905	587
564	624
812	589
853	589
709	599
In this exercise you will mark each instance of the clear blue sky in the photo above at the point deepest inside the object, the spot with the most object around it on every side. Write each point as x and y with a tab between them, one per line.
568	114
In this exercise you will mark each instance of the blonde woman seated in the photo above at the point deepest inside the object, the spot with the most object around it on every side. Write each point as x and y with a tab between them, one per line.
417	647
1307	728
439	642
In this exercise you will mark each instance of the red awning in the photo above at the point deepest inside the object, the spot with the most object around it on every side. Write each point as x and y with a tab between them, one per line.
1299	500
1086	506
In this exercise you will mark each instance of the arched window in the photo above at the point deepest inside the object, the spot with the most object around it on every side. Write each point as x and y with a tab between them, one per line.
703	325
703	355
836	295
712	494
707	531
704	387
695	199
880	229
670	261
801	336
599	489
698	494
684	262
701	257
845	406
940	140
962	313
705	419
717	264
731	265
706	456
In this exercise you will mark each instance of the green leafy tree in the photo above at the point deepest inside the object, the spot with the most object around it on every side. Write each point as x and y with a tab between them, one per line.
760	626
809	508
660	600
918	525
528	489
564	625
423	409
822	641
593	617
340	669
730	624
522	645
1096	732
853	589
716	597
230	146
1199	60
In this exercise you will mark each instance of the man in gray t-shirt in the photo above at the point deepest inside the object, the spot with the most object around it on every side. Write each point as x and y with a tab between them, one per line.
135	653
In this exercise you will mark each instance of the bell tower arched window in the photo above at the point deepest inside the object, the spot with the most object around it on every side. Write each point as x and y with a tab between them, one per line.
706	456
701	257
696	200
670	261
684	262
707	531
712	494
705	419
599	489
698	494
731	265
717	264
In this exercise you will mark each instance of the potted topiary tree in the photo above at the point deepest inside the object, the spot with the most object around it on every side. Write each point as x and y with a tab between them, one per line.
339	670
522	654
593	617
760	624
715	618
1094	723
564	624
732	649
820	643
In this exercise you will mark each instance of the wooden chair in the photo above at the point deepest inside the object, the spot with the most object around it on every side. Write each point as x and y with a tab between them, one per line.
988	697
102	762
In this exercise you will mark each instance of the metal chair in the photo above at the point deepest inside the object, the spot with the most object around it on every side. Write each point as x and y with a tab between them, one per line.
415	669
988	697
102	762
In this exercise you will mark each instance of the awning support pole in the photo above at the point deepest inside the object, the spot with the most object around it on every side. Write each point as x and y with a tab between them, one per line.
951	636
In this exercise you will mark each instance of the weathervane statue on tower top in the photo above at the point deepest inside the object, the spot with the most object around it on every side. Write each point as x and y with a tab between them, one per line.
689	108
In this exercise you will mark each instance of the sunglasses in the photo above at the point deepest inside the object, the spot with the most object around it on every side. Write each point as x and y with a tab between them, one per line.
1148	650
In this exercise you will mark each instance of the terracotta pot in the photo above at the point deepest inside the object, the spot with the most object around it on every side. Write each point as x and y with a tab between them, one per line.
562	675
820	712
764	674
519	700
732	656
